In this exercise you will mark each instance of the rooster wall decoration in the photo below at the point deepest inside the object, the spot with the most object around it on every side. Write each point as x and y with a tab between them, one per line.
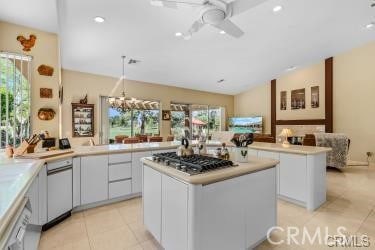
27	43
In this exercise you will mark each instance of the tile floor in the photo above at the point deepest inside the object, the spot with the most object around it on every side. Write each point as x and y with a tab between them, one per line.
350	203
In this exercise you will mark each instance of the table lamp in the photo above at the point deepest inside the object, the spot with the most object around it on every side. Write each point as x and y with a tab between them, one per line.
286	132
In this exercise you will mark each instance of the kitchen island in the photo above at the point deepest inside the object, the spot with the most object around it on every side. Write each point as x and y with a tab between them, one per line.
230	208
301	173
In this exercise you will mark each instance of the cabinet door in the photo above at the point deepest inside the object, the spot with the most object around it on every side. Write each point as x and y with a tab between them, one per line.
174	214
292	176
33	195
274	156
43	196
59	193
152	201
137	170
76	181
94	179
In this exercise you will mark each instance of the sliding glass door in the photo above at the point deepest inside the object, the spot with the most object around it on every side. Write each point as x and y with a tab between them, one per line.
194	121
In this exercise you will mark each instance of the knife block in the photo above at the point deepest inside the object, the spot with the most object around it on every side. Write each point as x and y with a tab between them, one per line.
25	147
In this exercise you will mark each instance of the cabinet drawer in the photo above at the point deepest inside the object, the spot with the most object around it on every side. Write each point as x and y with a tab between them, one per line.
120	188
119	158
120	171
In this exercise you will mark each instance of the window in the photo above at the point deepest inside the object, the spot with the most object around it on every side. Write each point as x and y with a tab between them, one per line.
140	117
15	76
193	121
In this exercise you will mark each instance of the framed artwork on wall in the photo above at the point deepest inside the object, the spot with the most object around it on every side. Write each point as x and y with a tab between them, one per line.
283	100
166	115
315	97
297	99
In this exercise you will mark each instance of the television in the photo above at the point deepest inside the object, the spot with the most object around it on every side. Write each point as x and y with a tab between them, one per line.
253	124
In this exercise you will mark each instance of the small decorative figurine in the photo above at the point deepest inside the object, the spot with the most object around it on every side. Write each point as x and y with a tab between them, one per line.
27	43
84	100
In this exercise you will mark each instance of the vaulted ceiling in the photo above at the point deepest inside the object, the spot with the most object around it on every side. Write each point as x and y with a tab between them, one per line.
304	32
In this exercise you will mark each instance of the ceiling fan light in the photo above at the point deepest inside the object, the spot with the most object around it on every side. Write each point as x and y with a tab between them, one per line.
369	25
99	19
277	8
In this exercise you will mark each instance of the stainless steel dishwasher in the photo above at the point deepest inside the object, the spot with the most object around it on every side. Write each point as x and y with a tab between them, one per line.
59	191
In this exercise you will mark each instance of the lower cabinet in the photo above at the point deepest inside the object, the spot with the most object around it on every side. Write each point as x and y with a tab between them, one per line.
152	201
165	209
137	170
174	214
119	188
94	179
293	176
274	156
33	195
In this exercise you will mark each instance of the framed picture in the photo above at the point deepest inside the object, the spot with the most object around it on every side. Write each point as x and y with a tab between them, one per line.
297	99
283	100
45	93
166	115
83	120
315	97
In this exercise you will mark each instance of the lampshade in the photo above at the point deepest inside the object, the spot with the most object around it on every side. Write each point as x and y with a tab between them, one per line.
286	132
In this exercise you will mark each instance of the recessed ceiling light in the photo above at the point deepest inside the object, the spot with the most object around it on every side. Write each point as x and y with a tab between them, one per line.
222	32
277	8
291	68
178	34
369	26
99	19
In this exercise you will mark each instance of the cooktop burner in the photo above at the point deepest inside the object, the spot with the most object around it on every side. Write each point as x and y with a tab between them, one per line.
194	164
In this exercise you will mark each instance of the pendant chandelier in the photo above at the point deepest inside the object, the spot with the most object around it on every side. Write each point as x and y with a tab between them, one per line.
120	103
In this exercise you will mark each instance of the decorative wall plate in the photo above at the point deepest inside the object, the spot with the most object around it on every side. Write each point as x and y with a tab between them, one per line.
45	70
46	114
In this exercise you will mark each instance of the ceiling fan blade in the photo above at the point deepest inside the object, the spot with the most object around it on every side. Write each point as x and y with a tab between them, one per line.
197	25
174	3
230	28
239	6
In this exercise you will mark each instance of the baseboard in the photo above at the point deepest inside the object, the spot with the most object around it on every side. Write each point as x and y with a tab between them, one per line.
106	202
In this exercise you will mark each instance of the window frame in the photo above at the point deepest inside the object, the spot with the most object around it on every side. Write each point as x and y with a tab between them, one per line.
11	58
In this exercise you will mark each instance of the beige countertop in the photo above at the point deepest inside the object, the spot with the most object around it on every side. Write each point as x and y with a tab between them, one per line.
253	165
292	149
16	175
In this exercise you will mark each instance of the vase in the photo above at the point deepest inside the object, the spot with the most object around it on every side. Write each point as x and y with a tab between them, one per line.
241	154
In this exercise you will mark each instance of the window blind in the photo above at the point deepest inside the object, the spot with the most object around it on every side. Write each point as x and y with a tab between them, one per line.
15	98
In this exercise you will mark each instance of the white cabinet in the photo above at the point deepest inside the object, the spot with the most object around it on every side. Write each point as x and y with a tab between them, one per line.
174	214
137	170
94	179
152	201
43	196
274	156
76	181
33	195
119	171
59	192
293	176
119	188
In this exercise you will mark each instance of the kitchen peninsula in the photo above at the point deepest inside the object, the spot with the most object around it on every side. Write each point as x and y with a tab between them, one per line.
91	176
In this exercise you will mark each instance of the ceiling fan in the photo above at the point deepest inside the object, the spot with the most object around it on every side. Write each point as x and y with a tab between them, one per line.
216	13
